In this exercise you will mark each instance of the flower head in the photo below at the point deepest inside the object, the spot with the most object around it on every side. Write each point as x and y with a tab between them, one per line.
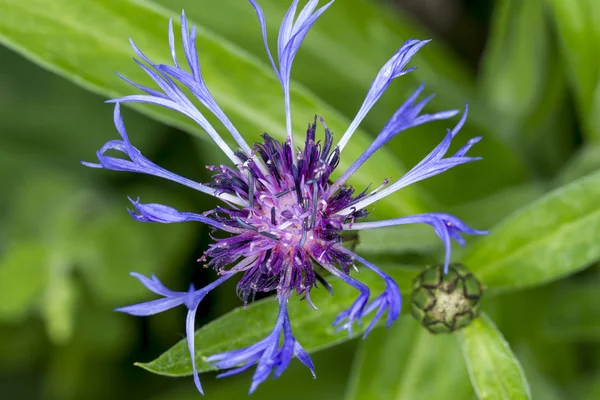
282	215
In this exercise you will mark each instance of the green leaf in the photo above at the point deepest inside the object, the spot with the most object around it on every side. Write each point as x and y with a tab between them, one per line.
23	276
578	29
407	362
340	47
573	313
548	239
246	326
64	126
60	295
86	42
515	62
586	161
494	370
422	240
524	84
488	211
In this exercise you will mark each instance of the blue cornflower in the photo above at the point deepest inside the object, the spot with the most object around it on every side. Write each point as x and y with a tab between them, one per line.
282	214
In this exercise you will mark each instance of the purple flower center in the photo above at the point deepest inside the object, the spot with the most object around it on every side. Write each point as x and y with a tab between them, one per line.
290	219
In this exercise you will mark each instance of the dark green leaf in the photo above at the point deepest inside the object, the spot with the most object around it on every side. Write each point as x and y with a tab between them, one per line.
550	238
494	370
243	327
408	362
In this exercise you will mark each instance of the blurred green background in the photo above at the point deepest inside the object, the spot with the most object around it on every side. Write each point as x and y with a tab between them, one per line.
529	69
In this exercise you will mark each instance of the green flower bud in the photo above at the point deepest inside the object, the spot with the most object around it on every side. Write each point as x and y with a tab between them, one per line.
444	303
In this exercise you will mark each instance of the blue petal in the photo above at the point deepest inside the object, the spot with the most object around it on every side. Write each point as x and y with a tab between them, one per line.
390	71
152	307
166	215
137	162
266	354
407	116
190	329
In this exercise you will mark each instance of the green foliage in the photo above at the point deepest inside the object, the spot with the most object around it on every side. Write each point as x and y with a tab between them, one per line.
494	370
546	240
82	235
67	243
407	362
578	27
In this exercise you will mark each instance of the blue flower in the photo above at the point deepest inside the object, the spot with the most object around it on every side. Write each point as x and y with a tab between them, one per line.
282	213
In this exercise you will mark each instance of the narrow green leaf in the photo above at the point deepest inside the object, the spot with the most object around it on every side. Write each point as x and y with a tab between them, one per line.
494	370
422	240
548	239
243	327
525	85
586	161
86	42
578	28
60	295
408	362
515	63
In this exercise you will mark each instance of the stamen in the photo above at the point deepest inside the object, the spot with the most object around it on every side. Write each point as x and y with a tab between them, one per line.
280	194
315	203
297	182
255	229
250	190
304	230
246	225
273	220
323	282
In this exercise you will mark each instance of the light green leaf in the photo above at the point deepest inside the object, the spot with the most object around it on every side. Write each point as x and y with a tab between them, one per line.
548	239
60	295
422	240
522	82
408	362
586	161
578	28
23	275
245	326
494	370
86	42
515	62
